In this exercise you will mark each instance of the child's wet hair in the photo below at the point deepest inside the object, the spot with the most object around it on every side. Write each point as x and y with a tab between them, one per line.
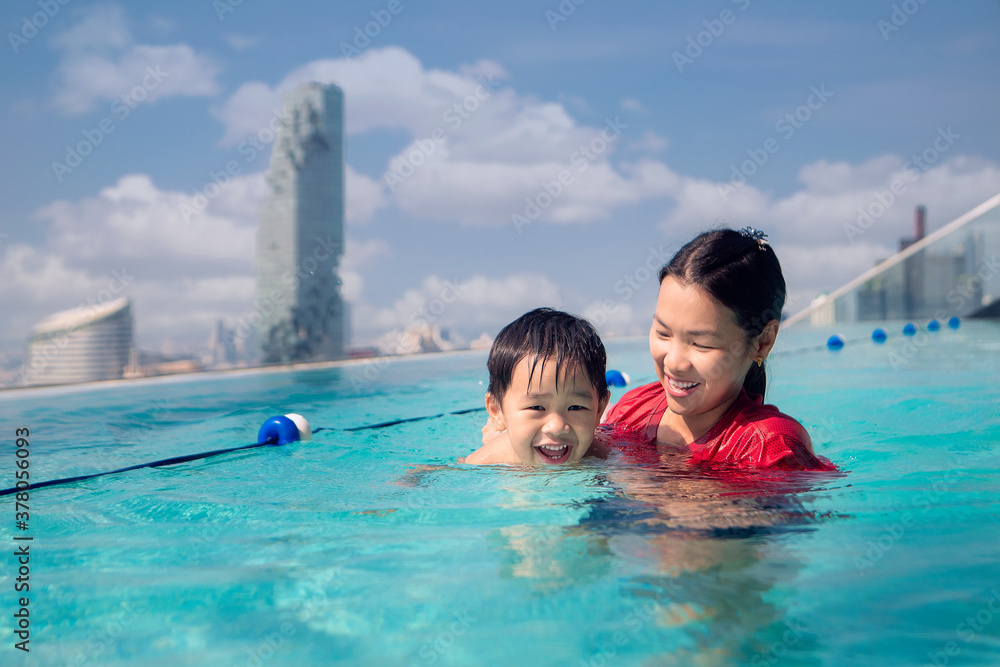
740	272
543	334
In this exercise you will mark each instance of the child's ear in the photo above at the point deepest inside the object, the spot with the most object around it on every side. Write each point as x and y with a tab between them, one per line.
496	414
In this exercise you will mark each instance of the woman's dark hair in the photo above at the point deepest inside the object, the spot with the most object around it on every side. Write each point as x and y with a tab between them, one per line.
742	273
544	334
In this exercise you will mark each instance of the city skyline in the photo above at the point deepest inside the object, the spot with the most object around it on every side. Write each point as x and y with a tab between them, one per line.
497	159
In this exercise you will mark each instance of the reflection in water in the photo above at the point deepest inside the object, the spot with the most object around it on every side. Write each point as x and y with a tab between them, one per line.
699	551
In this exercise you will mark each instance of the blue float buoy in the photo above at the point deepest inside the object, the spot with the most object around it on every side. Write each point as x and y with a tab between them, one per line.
910	329
954	322
879	335
933	325
835	342
278	430
616	378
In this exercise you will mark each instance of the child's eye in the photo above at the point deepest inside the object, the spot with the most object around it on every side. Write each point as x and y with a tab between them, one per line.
578	407
703	347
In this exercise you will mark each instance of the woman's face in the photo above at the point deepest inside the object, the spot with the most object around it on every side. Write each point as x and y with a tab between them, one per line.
701	354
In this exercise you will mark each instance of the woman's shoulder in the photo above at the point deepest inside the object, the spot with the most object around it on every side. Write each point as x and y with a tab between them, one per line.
761	435
768	420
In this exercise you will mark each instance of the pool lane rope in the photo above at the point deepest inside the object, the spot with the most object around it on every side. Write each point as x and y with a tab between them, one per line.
879	335
275	431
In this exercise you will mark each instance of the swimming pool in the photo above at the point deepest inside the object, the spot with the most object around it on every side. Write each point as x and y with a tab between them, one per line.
341	551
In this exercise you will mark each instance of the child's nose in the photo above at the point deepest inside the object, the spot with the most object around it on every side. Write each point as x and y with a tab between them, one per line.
556	423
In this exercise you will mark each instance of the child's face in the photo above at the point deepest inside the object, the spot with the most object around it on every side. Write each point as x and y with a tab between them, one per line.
701	354
545	424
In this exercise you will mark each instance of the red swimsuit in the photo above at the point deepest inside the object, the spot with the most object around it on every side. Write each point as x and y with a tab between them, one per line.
750	434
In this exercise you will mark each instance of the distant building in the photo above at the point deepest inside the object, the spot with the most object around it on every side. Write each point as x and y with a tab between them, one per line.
416	339
951	272
822	312
484	342
920	286
149	363
301	235
222	346
83	344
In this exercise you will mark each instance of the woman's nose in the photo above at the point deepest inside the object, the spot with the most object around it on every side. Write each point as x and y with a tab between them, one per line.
676	357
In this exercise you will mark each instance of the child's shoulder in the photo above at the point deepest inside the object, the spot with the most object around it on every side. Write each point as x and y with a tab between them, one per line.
497	450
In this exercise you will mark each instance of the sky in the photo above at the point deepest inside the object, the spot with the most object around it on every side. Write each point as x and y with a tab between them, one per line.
500	156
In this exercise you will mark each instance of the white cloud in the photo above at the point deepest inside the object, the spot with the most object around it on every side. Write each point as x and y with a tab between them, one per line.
650	142
34	276
359	255
479	148
247	111
241	42
632	104
100	63
616	321
136	223
103	27
185	308
363	196
473	305
491	193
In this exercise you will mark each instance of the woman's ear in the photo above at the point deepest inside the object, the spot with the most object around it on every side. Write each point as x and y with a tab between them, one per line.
765	341
496	414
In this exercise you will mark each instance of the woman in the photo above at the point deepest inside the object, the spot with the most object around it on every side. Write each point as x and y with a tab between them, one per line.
716	320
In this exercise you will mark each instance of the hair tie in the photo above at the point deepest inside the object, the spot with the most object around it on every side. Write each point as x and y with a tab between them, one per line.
755	235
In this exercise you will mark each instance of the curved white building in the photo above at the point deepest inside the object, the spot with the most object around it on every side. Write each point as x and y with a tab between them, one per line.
82	344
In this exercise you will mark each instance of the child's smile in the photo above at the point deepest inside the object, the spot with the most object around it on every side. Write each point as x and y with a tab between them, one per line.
554	453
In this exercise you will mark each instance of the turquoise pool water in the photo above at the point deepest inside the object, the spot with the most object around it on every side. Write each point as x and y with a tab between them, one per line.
344	551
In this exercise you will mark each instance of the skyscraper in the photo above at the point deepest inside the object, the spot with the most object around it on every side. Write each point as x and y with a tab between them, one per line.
301	234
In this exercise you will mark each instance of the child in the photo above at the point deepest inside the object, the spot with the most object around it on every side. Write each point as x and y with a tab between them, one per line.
716	319
547	390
